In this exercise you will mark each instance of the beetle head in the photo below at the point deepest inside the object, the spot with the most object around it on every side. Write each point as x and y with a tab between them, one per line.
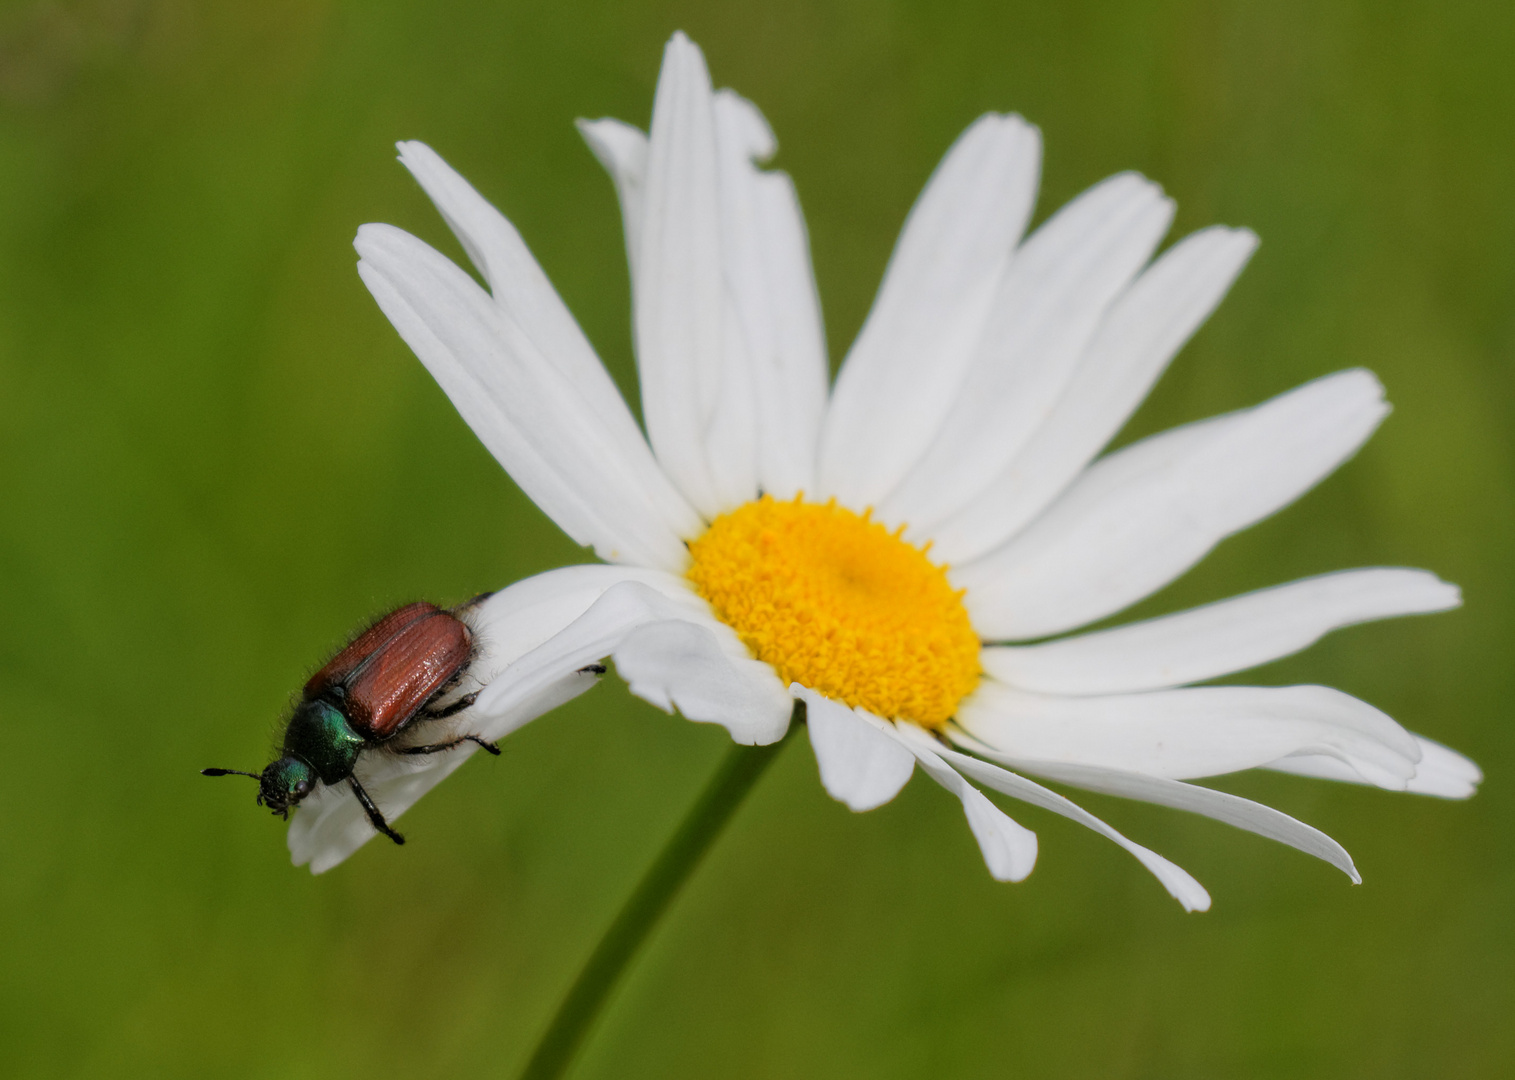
284	783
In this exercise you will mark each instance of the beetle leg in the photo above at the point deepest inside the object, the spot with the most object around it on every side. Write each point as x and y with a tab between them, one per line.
491	747
473	602
437	748
373	811
449	710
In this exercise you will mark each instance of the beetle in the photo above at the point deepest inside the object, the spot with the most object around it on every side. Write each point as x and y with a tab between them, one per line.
393	675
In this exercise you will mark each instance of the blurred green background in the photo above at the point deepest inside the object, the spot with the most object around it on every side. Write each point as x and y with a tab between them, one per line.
217	459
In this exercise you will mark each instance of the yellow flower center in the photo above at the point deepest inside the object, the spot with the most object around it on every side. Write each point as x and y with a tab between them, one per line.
838	603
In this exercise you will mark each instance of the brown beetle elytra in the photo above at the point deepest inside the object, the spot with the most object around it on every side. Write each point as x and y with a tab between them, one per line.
394	667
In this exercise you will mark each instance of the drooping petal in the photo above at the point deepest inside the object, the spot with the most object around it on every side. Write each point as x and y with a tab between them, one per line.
1441	771
1220	638
1142	331
596	480
902	373
1009	848
1198	731
1180	885
622	150
862	764
518	619
330	825
1141	517
1060	283
679	294
671	651
678	664
1231	809
594	611
612	620
773	307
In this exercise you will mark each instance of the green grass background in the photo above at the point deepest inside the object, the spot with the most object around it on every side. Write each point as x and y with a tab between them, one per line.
217	459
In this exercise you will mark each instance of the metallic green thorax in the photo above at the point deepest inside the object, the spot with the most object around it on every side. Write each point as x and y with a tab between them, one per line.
320	736
318	744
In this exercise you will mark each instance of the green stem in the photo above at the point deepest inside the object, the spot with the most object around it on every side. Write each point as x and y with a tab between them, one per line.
737	773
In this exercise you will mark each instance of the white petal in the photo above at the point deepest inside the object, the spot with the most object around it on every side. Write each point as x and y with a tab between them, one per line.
1180	885
773	308
677	664
1009	848
732	427
1046	311
1231	809
901	376
622	149
731	434
679	294
710	676
862	764
599	483
1139	335
1141	517
772	326
519	285
329	825
589	610
1441	771
517	620
1199	731
597	632
1219	638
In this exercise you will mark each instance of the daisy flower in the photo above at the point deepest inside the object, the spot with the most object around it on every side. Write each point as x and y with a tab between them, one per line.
875	549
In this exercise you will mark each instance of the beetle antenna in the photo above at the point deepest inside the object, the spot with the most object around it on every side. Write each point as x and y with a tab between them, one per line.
230	772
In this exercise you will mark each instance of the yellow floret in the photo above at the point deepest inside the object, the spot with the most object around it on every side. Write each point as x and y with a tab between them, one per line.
838	603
